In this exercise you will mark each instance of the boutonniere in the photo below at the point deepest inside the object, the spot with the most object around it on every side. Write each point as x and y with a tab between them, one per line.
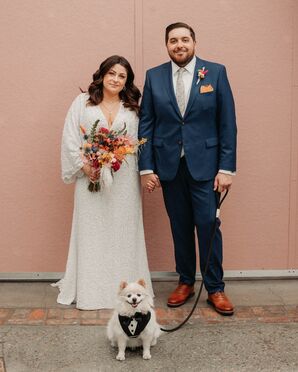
201	74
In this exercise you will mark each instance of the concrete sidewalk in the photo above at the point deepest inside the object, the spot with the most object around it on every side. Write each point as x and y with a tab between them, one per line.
37	334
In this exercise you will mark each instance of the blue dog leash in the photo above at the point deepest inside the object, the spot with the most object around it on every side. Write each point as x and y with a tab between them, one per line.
219	202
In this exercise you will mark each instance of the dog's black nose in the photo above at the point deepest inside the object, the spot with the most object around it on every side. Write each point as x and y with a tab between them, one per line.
134	300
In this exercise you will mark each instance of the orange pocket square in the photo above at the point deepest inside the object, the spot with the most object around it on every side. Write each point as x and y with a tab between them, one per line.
206	88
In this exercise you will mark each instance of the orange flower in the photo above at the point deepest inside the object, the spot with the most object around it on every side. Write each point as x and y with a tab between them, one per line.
83	130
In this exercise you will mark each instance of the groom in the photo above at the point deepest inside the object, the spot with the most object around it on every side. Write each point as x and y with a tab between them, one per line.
188	117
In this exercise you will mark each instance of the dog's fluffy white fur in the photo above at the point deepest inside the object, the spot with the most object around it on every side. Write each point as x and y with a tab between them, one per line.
133	298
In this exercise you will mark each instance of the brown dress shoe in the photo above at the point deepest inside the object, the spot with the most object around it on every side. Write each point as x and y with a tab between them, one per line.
221	303
181	294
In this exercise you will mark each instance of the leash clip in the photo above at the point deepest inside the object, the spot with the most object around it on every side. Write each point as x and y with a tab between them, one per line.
217	213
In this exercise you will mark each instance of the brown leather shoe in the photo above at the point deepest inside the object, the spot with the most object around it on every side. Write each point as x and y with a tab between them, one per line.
221	303
181	294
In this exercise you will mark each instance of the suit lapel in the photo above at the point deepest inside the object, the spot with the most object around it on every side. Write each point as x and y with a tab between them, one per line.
194	86
168	80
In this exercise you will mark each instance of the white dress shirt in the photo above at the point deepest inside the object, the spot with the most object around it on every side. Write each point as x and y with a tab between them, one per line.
187	77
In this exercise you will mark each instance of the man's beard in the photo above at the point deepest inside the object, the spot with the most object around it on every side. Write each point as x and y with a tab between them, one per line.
182	63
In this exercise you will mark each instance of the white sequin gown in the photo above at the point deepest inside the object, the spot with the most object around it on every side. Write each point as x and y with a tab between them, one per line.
107	242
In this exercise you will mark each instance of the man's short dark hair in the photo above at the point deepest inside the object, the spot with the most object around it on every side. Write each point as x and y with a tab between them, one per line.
179	25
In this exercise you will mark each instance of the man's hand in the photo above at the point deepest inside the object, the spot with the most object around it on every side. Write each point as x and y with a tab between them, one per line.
150	181
222	182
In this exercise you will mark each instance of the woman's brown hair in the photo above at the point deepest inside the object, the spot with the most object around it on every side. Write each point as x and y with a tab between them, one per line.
130	95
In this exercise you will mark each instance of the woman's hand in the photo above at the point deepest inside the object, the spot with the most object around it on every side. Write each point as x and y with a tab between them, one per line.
150	181
91	173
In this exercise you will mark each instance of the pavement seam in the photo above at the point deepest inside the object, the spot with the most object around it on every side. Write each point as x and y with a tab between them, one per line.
278	296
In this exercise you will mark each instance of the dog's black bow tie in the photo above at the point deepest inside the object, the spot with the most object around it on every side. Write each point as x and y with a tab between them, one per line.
135	324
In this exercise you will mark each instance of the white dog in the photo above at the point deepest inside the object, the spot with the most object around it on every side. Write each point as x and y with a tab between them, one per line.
133	322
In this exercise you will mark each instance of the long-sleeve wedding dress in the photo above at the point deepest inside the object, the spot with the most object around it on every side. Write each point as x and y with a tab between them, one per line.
107	242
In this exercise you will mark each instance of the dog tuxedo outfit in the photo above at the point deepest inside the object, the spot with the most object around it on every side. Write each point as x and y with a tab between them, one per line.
133	326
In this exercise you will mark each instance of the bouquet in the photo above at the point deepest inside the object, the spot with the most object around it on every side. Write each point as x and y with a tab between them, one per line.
105	150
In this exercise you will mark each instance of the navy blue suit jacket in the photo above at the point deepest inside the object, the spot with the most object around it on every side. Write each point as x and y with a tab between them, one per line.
207	131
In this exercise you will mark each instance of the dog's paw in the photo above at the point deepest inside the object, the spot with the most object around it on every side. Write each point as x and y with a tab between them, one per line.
120	356
147	356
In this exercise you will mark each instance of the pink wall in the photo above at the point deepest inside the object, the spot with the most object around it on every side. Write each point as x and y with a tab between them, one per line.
49	48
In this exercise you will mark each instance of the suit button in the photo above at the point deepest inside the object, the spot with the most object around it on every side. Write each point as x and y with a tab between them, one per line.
179	142
182	122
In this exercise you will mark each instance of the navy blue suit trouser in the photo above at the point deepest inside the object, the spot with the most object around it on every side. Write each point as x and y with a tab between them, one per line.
191	205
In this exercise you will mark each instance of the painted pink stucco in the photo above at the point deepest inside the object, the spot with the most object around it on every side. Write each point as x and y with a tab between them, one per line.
50	48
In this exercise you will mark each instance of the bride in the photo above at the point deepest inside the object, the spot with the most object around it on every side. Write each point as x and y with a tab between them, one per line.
107	242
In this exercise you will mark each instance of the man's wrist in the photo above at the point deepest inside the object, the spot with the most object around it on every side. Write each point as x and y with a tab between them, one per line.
146	171
230	173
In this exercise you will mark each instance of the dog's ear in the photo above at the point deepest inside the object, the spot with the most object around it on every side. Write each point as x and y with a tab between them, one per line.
123	285
142	282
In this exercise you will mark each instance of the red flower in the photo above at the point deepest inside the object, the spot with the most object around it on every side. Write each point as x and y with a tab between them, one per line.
104	130
116	166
